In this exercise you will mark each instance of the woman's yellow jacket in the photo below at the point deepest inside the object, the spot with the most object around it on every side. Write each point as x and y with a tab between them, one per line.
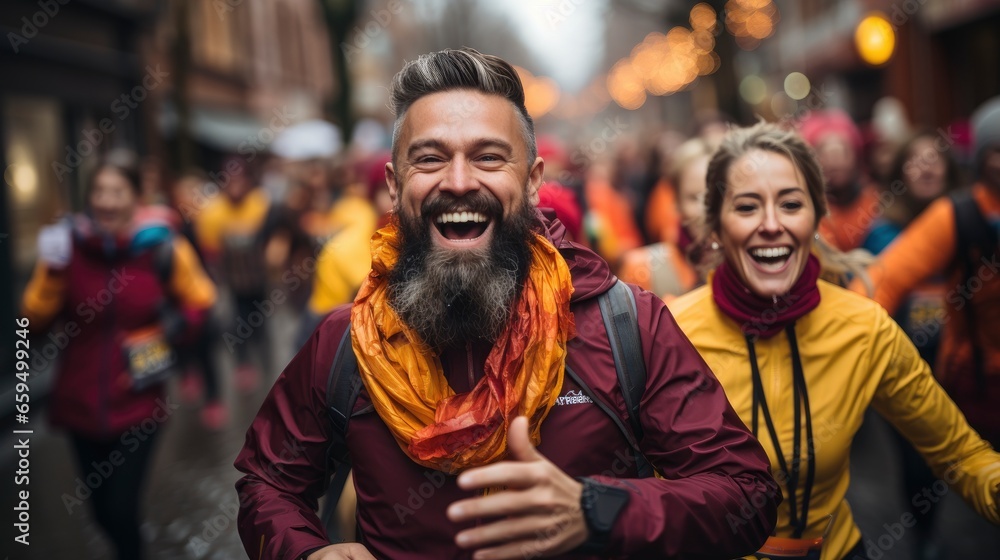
853	355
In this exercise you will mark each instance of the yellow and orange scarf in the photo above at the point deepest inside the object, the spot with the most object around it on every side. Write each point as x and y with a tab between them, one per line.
406	383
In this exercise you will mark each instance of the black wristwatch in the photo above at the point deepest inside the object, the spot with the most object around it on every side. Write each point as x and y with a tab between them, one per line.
601	505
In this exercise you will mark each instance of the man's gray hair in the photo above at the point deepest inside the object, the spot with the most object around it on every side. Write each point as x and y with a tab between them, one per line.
452	69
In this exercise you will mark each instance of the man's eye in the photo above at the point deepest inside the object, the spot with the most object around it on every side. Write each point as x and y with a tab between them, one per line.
428	159
490	158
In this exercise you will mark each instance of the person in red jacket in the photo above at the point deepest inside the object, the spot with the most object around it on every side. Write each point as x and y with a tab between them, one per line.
118	288
487	424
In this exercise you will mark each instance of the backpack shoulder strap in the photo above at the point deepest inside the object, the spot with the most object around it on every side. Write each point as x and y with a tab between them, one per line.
163	260
972	231
974	239
342	390
618	310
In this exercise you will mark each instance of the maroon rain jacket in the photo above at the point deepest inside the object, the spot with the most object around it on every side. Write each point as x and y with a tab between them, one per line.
716	499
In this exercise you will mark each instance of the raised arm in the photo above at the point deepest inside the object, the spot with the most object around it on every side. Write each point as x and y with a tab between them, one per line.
924	249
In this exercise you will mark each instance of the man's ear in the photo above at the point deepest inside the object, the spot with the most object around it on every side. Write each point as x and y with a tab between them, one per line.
390	180
535	175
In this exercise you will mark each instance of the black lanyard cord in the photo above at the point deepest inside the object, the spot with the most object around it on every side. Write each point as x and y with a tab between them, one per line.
800	380
801	397
791	479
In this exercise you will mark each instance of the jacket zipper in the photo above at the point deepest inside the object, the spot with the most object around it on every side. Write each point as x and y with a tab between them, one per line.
468	356
103	399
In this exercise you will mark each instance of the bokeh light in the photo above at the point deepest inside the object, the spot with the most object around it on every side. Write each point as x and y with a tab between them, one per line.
875	39
751	21
797	85
753	89
703	18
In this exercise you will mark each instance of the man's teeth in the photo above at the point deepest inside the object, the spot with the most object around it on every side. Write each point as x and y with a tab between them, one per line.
771	252
461	217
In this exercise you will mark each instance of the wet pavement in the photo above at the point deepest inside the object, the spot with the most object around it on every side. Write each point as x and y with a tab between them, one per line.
190	504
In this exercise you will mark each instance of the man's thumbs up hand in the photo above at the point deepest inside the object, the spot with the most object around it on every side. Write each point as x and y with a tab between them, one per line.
539	509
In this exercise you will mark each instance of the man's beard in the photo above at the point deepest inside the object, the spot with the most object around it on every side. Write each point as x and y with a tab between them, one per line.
454	296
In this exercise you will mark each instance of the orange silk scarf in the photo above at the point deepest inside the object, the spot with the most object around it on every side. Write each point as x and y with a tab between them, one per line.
523	373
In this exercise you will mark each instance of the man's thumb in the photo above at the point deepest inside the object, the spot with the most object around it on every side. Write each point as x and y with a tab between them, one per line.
519	443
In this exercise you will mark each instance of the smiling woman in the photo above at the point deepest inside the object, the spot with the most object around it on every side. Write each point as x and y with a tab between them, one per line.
839	354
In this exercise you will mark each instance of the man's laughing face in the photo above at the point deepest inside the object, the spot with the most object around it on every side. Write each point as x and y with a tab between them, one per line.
464	195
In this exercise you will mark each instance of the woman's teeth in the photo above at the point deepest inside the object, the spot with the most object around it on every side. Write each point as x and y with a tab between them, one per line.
770	252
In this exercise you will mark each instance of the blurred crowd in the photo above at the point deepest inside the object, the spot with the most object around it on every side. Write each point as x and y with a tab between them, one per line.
290	229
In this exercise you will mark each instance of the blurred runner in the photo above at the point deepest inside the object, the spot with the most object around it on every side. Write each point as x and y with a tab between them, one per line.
665	268
957	237
851	197
609	220
189	196
661	219
230	231
123	293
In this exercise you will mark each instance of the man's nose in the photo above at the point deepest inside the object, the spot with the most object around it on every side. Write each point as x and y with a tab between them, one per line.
459	177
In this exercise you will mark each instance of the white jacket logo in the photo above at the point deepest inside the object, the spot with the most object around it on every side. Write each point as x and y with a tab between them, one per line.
574	397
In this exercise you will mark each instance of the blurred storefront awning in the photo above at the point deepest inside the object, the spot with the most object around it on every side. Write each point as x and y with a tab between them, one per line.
219	129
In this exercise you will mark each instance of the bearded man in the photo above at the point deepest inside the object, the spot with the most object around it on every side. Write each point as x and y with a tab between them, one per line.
490	421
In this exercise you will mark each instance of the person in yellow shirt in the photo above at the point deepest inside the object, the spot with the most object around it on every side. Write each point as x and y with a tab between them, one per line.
802	359
229	231
343	263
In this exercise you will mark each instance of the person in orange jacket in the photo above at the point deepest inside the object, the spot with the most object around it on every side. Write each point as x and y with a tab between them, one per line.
957	236
665	268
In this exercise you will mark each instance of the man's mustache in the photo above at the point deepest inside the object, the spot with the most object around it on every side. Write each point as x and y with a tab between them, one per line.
477	201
